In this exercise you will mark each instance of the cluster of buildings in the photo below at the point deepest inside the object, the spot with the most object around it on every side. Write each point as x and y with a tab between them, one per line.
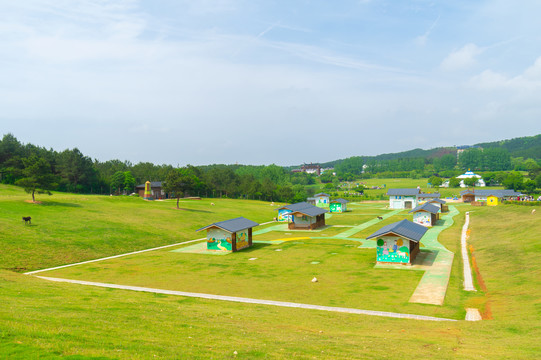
312	169
396	243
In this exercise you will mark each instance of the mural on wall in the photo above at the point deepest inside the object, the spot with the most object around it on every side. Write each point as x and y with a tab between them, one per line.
219	244
242	239
422	218
219	240
393	250
322	201
336	207
283	215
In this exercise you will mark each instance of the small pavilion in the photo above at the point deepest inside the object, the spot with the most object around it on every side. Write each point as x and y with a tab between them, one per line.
439	203
338	206
303	216
426	214
230	235
322	199
398	243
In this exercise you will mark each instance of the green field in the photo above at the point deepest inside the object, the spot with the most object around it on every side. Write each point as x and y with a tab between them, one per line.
40	319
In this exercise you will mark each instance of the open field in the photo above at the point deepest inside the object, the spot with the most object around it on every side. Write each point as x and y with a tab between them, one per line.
409	183
69	228
39	319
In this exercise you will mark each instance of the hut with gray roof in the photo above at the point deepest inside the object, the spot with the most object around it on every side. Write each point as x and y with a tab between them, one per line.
398	243
229	235
303	216
425	214
338	205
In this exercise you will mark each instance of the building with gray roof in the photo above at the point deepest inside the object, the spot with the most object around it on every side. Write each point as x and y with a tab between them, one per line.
303	216
425	214
398	243
229	235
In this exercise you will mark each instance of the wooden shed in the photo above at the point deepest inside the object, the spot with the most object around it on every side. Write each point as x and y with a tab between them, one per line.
304	216
439	203
230	235
322	199
426	214
338	206
154	190
398	243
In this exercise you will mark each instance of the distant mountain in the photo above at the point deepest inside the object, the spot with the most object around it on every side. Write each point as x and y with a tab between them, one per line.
526	147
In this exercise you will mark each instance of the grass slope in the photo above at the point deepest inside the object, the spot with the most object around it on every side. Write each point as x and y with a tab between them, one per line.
44	320
68	228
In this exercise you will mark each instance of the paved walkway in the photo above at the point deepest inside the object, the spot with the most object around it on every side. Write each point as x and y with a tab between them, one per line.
249	300
433	285
468	279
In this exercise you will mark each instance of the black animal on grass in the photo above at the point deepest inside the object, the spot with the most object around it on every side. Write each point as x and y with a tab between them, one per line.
27	220
379	217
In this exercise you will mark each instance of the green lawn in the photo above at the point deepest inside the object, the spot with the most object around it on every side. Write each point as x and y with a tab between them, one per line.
69	228
45	320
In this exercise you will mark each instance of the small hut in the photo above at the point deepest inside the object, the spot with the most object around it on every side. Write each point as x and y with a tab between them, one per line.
304	216
322	199
230	235
425	197
151	190
426	214
439	203
338	206
398	243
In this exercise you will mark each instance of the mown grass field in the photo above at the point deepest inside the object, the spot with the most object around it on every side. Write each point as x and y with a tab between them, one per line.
44	320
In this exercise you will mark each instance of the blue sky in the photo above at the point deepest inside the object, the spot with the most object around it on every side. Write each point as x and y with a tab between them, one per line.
260	82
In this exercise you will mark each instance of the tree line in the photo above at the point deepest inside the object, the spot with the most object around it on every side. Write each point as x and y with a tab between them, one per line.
42	170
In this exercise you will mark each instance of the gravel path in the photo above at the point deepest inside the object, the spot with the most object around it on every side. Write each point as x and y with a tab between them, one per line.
468	279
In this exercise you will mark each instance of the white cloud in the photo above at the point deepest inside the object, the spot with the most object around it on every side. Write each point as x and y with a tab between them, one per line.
462	58
528	80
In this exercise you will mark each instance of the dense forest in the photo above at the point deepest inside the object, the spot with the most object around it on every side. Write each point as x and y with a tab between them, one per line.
43	170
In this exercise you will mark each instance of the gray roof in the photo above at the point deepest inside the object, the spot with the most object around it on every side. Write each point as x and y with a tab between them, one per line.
494	192
403	192
322	194
433	195
428	207
232	225
153	184
340	200
437	201
404	228
304	208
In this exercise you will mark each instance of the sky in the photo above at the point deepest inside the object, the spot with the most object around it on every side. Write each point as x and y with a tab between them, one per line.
259	82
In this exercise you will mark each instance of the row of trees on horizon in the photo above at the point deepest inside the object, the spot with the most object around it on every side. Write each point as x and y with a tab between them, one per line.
38	169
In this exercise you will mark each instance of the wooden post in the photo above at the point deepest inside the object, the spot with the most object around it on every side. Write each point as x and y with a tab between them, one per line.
249	237
234	242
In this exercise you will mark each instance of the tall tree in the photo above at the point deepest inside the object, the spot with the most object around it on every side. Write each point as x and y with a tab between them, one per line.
179	182
38	176
117	181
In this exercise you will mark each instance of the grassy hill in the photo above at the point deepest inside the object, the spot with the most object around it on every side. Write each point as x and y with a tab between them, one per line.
40	319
